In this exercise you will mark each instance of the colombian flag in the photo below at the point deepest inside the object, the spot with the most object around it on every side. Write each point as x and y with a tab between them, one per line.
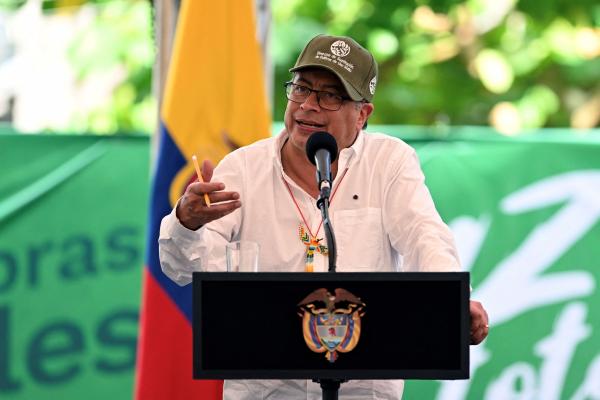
214	101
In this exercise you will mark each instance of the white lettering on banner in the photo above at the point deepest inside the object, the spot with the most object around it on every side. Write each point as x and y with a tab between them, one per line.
524	272
590	388
557	353
557	350
521	271
472	233
505	386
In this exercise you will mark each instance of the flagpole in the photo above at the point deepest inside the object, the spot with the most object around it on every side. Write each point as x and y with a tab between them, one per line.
165	22
263	33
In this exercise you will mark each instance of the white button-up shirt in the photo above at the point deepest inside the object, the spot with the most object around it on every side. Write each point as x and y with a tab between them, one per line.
382	214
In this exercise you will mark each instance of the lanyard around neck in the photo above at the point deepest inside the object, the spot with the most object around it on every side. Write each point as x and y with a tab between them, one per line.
300	211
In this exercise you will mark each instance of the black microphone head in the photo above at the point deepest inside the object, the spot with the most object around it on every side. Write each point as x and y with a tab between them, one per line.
318	141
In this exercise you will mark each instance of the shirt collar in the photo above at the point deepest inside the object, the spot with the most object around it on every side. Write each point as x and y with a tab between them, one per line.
280	140
347	156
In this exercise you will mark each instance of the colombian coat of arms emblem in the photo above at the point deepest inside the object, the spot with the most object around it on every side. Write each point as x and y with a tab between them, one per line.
331	323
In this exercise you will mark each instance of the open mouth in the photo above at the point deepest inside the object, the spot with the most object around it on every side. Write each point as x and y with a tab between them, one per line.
309	124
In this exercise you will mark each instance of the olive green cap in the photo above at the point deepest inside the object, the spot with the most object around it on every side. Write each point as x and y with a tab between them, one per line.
349	61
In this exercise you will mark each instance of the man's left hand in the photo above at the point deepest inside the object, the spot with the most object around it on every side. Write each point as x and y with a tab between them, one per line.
479	322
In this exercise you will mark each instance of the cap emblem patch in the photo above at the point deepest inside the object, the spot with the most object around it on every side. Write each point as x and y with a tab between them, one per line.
372	85
340	48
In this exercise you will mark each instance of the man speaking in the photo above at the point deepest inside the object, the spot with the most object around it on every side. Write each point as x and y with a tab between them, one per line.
383	214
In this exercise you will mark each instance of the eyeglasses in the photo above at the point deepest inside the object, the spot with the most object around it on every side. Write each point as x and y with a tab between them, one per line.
326	100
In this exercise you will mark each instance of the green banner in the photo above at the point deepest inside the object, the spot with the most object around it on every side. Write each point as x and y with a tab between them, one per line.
72	233
526	217
525	212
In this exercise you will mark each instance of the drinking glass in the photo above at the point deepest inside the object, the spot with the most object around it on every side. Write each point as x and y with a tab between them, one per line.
242	256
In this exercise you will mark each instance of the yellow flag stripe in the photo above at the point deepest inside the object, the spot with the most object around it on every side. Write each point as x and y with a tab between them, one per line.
215	90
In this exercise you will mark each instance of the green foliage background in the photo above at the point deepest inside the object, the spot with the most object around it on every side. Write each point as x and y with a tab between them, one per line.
119	41
515	64
120	36
450	62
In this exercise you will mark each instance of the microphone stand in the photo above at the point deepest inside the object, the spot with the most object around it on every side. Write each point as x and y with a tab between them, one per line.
329	387
323	204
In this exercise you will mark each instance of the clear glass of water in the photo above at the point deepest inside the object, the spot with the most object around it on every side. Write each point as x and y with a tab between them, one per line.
242	256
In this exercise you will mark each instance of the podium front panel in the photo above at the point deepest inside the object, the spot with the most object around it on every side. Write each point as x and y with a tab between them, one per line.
250	326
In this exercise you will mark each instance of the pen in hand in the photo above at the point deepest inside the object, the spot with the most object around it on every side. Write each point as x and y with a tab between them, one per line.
200	179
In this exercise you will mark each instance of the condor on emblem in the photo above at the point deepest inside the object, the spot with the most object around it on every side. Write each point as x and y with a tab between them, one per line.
331	323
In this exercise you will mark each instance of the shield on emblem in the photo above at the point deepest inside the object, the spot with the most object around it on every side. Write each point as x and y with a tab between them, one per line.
331	329
330	323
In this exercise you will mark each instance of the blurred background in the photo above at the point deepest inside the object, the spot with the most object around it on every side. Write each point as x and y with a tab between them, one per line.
501	99
86	66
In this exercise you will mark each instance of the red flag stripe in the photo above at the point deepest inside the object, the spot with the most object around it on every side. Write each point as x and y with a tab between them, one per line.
164	363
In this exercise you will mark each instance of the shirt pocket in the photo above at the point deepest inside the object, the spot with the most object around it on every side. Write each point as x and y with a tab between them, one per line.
359	237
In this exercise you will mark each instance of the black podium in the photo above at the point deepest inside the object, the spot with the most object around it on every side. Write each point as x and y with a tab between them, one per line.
253	325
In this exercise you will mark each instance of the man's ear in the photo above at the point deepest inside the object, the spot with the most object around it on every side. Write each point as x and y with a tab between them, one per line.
365	111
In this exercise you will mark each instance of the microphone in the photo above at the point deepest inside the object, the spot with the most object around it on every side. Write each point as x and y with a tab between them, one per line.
322	150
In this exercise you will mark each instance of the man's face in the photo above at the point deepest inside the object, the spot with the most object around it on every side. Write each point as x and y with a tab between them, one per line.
302	120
